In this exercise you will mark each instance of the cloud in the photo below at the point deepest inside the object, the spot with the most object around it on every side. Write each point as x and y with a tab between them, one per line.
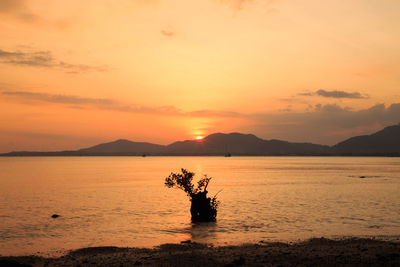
79	102
335	94
306	94
43	59
10	5
54	98
324	124
19	10
167	33
339	94
235	4
37	59
215	113
238	5
111	104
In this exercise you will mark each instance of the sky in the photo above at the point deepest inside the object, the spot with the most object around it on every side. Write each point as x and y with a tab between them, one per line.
81	72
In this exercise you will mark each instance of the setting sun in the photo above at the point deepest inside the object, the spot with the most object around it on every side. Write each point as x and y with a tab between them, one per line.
199	137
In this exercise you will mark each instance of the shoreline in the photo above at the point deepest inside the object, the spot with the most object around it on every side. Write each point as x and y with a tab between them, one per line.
315	252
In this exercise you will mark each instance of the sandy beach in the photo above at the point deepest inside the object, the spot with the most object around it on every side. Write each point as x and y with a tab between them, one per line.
313	252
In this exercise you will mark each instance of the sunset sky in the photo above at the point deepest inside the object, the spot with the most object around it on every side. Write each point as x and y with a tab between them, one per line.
79	72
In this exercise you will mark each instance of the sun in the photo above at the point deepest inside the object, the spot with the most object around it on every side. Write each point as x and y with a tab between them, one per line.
199	138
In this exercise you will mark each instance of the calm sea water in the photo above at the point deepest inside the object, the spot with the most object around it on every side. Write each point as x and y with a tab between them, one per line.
122	201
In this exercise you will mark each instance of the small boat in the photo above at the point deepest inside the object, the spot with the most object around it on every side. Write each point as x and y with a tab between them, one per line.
228	155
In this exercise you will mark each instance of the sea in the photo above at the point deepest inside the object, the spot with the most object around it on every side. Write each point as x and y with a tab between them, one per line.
122	201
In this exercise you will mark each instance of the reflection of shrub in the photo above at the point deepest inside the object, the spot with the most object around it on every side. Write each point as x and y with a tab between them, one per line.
203	208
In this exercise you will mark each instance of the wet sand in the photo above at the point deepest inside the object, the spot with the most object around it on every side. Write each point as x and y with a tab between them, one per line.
313	252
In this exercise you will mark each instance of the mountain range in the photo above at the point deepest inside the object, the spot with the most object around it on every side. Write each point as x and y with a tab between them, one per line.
383	143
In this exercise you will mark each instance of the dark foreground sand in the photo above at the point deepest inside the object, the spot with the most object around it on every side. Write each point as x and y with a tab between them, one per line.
314	252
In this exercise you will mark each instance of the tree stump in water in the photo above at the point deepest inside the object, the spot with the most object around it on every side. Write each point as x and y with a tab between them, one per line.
203	208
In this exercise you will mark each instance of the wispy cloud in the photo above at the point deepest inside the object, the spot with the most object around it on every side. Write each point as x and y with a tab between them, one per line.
325	124
167	33
235	4
340	94
81	102
303	94
335	94
18	10
11	5
111	104
55	98
44	59
215	113
238	5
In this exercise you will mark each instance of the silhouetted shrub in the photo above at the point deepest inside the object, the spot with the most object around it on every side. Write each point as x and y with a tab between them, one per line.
203	208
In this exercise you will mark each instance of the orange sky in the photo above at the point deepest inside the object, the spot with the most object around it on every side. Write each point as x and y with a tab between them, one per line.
75	73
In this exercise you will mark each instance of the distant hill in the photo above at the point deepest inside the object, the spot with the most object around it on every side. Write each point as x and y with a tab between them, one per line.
383	143
123	146
242	144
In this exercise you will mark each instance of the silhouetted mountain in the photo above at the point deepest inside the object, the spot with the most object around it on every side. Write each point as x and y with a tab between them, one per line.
123	146
384	142
242	144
